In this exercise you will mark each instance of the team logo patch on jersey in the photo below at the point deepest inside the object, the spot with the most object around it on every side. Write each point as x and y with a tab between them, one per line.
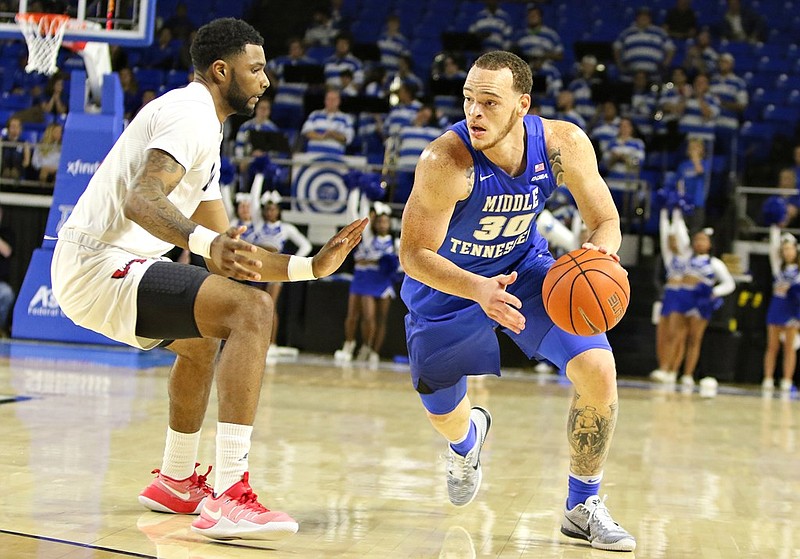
122	272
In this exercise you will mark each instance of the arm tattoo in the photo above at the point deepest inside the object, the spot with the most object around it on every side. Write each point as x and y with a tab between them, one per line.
555	164
150	207
589	431
470	174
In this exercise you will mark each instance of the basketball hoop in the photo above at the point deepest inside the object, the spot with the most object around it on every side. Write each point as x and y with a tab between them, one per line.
44	34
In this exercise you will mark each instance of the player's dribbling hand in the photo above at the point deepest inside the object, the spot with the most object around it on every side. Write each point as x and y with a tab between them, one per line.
331	256
234	257
602	249
500	305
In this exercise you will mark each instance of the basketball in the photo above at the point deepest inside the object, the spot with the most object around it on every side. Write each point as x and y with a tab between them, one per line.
586	292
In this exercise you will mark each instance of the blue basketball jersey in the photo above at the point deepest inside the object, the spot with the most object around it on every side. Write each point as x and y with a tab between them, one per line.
492	231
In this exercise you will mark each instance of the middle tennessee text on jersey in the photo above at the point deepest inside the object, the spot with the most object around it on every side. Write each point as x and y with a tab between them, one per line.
493	230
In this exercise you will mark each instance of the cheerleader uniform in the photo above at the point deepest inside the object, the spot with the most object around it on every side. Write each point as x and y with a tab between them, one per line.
784	309
275	235
677	298
715	282
376	264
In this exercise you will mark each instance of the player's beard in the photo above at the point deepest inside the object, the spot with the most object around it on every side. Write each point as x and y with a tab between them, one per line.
506	130
237	99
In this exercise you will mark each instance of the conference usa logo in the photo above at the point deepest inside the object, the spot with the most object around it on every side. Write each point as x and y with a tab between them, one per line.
44	304
320	187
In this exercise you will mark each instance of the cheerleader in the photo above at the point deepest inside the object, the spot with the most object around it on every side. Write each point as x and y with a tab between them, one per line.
675	252
244	213
708	280
372	289
272	235
783	311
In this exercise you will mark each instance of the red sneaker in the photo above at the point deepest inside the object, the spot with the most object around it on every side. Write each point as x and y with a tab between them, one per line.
237	514
176	496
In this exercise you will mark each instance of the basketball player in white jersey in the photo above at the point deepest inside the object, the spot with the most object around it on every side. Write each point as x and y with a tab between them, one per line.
158	187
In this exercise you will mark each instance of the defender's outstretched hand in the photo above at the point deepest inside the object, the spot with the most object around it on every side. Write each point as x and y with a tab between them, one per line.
234	257
331	256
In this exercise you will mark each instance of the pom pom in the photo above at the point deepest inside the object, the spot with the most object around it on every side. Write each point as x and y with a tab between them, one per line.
372	186
227	171
260	164
773	210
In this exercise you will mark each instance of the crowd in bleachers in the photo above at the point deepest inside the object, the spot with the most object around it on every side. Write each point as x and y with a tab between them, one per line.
640	82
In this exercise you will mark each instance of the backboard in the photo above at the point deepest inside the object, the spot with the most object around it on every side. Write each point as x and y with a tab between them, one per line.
128	23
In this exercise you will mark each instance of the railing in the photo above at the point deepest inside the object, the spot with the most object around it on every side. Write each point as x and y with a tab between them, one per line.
749	200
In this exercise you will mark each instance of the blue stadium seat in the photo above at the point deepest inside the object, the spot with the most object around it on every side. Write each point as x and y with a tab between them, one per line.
15	101
772	64
781	114
149	78
768	96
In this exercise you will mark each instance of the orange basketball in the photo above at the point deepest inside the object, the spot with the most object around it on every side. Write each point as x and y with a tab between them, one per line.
586	292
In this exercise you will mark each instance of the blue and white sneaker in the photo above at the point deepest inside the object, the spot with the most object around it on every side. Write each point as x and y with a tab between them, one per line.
464	472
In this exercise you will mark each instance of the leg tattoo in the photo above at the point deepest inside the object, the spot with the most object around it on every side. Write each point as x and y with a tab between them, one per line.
590	431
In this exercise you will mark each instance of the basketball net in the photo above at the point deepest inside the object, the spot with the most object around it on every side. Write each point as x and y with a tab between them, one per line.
44	34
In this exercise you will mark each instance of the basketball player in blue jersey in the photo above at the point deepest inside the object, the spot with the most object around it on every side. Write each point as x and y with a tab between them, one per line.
475	261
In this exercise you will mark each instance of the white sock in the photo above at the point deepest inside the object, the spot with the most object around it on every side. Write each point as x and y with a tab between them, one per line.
349	346
180	454
233	446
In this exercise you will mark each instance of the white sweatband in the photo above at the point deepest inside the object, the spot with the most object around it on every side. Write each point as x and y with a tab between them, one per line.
200	241
300	268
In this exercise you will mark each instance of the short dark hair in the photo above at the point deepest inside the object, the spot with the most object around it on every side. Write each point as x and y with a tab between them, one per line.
499	59
222	39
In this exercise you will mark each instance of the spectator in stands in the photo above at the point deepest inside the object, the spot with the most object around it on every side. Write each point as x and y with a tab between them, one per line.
47	154
16	153
340	60
606	128
783	313
493	25
551	74
147	96
54	93
131	99
644	100
339	18
322	30
731	91
565	109
163	55
273	235
690	182
403	113
244	148
347	87
643	46
404	74
374	80
709	281
699	111
701	56
412	140
180	24
581	87
623	158
288	102
681	20
742	24
7	294
539	40
392	44
671	104
328	130
372	289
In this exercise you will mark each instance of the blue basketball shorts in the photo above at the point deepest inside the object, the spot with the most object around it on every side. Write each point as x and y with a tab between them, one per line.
445	349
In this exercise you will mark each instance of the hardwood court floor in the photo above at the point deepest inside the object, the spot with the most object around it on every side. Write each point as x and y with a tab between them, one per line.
349	453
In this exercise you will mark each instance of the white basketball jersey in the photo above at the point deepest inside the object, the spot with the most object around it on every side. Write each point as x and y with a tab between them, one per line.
183	123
